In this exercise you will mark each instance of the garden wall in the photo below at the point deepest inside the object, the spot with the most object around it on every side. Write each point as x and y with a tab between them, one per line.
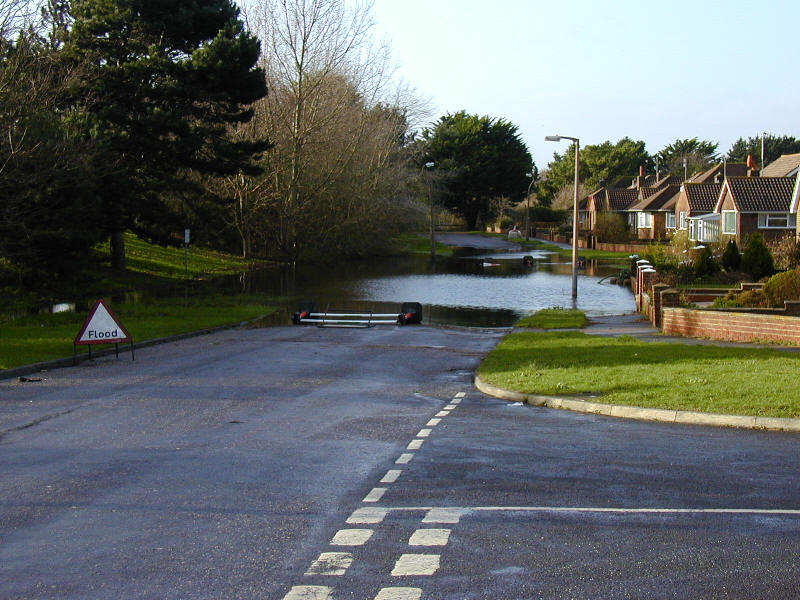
729	326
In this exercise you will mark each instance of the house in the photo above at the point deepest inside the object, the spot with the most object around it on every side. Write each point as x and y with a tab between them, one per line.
694	201
655	211
621	200
610	200
787	165
764	204
720	171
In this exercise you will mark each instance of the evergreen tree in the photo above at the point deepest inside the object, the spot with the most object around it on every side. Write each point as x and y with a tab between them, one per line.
168	80
731	257
486	161
756	258
688	156
774	147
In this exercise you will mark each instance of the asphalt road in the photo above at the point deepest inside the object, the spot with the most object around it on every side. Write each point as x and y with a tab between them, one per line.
308	463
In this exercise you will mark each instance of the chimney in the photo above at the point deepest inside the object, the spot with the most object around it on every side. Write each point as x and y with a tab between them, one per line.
752	167
640	178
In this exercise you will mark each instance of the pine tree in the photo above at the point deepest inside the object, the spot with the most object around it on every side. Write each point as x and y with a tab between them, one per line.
168	79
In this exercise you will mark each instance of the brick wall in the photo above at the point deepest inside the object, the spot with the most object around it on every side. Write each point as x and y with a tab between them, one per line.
730	326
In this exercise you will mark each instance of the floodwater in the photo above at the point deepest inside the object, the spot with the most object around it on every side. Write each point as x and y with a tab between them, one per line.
473	288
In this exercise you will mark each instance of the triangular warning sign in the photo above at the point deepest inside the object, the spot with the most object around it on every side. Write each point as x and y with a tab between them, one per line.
102	327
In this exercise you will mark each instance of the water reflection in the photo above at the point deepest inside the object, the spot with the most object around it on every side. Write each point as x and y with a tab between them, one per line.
472	288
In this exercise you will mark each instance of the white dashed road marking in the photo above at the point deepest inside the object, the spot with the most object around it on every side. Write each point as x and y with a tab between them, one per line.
367	516
331	563
399	593
408	565
443	515
309	592
391	476
430	537
416	564
352	537
375	495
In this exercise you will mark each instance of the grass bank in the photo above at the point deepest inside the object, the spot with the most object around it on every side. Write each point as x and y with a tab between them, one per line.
627	371
415	243
41	337
46	337
554	318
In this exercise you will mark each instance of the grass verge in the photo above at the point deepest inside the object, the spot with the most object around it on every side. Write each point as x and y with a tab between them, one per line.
414	243
627	371
554	318
46	337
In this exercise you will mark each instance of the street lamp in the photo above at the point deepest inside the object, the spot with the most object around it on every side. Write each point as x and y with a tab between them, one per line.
763	135
430	165
558	138
528	209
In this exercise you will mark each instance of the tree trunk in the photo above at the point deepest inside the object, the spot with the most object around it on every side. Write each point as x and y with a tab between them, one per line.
118	250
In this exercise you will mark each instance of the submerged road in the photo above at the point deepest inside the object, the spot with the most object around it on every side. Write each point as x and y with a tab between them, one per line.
305	463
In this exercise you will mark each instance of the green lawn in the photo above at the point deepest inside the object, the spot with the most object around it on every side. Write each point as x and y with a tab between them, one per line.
415	243
713	379
554	318
46	337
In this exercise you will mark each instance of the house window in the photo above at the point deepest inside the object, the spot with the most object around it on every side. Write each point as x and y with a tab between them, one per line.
645	220
671	220
729	222
777	220
684	217
692	226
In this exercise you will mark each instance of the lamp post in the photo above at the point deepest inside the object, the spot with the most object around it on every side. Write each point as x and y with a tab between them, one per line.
430	165
528	209
558	138
763	135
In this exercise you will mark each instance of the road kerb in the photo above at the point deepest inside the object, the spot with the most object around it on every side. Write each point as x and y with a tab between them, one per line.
643	414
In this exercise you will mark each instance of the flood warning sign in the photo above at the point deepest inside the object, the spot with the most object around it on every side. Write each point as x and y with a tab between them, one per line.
102	327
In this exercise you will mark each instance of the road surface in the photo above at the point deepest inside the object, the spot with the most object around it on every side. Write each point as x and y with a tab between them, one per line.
300	462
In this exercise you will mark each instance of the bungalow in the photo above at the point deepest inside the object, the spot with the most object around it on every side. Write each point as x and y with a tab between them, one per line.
695	200
610	200
655	211
786	166
720	171
621	200
764	204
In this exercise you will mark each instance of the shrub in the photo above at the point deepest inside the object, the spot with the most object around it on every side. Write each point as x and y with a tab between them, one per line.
680	244
704	264
660	257
756	258
611	228
748	299
783	286
731	258
786	251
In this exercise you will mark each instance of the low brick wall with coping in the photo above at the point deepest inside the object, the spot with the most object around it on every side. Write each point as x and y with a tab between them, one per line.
662	307
732	326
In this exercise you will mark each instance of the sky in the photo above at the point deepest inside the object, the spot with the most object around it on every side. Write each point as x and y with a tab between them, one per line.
603	69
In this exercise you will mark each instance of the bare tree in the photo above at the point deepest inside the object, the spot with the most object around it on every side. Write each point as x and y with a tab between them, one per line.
335	121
